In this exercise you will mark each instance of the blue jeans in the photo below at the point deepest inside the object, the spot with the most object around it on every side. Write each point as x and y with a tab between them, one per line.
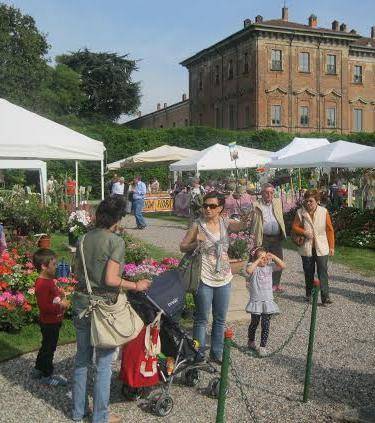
102	379
138	205
205	298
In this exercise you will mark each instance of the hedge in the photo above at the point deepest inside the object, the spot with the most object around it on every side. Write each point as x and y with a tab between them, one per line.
121	142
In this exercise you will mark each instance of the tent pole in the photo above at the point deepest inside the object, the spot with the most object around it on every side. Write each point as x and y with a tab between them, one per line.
102	177
42	193
76	193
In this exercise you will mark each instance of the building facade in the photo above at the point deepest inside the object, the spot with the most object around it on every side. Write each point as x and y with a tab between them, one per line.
286	76
174	116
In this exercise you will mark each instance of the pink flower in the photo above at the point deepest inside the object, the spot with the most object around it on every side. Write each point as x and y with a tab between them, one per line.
31	291
29	265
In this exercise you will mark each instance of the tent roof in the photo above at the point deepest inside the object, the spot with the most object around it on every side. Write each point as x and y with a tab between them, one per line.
217	157
22	164
363	158
299	145
325	156
26	135
162	154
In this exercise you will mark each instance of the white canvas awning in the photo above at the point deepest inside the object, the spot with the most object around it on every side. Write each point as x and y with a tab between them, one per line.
364	158
163	154
217	157
38	165
26	135
299	145
325	156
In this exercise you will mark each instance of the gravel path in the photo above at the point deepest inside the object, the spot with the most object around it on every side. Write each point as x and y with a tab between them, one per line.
343	373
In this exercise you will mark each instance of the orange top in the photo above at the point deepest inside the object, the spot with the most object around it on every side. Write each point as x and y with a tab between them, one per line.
70	187
299	229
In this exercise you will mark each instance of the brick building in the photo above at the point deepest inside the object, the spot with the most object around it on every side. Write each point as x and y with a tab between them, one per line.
174	116
287	76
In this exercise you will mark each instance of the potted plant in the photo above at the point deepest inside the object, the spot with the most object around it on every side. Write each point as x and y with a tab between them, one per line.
79	223
239	246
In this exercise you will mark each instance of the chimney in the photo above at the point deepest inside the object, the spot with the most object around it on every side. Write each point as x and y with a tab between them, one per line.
139	113
158	106
373	32
246	23
343	27
335	25
284	14
313	21
353	31
165	105
183	97
259	19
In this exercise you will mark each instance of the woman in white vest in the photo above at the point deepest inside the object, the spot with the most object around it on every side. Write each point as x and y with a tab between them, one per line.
313	222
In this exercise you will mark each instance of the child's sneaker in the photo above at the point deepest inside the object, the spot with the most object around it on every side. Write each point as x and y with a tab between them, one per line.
262	352
54	380
252	346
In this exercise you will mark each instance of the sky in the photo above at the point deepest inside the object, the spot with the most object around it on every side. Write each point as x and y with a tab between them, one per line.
160	34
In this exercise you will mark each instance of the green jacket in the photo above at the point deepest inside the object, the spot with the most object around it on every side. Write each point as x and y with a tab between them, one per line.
258	220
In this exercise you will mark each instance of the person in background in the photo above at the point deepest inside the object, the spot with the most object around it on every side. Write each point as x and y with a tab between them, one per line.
196	199
70	189
154	186
139	193
110	183
269	228
104	252
3	242
314	223
52	305
118	188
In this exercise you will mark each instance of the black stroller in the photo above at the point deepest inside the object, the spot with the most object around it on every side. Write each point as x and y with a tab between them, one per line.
167	295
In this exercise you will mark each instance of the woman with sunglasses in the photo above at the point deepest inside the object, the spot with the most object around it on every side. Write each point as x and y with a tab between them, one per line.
210	234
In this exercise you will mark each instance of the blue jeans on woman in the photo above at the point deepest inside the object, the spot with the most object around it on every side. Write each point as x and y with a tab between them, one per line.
102	379
205	298
138	205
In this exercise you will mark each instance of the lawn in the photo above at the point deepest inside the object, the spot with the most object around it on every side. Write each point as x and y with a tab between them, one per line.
360	259
167	216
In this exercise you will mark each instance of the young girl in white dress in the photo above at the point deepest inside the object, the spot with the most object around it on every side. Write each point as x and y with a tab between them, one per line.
261	304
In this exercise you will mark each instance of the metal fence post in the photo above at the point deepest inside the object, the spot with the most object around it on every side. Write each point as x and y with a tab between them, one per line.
315	294
220	413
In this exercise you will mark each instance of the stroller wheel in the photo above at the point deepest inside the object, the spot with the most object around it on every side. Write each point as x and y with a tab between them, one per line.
214	387
192	377
163	406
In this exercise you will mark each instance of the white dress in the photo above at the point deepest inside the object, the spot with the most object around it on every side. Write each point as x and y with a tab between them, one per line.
261	294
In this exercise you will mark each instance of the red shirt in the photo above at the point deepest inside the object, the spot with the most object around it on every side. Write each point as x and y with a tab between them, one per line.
70	187
46	291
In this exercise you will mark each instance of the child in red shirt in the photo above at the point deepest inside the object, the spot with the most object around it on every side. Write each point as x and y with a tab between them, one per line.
52	304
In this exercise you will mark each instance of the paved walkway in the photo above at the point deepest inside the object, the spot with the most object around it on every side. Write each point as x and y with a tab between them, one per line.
343	376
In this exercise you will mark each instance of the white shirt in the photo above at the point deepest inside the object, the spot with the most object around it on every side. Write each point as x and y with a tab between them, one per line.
118	188
270	224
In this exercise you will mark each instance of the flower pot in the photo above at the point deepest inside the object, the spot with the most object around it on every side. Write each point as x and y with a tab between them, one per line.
237	266
44	241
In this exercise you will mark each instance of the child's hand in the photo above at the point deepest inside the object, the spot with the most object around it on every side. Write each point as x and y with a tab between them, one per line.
270	256
65	304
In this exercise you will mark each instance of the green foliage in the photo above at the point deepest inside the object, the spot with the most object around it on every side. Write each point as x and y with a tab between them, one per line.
135	251
23	49
107	83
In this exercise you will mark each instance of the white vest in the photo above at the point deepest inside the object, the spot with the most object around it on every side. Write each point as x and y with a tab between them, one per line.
318	226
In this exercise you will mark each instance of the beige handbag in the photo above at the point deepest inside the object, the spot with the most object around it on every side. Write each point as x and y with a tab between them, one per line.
112	325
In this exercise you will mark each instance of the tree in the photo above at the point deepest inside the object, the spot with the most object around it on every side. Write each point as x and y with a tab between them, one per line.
23	49
106	81
61	93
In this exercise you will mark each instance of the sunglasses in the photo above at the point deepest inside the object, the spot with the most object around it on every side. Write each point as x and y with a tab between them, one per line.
210	206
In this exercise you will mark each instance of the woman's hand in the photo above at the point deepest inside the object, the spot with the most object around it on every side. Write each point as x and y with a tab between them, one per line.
142	285
331	252
308	233
201	237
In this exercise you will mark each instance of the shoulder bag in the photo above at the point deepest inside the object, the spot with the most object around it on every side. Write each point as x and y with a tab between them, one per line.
298	239
112	325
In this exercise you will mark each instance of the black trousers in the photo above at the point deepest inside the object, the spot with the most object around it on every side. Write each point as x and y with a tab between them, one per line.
321	264
273	245
265	326
50	336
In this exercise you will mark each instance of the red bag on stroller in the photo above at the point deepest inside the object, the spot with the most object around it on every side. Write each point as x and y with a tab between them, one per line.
139	358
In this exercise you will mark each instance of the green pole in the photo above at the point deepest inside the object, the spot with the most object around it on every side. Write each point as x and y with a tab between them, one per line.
315	294
220	413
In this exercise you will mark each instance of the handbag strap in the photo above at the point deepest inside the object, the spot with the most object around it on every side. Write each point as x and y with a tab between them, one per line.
88	285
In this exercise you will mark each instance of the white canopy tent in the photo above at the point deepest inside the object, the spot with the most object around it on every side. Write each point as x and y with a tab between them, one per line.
162	154
26	135
217	157
38	165
299	145
326	156
364	158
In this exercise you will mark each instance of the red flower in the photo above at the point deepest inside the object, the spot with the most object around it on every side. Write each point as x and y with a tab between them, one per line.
26	307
